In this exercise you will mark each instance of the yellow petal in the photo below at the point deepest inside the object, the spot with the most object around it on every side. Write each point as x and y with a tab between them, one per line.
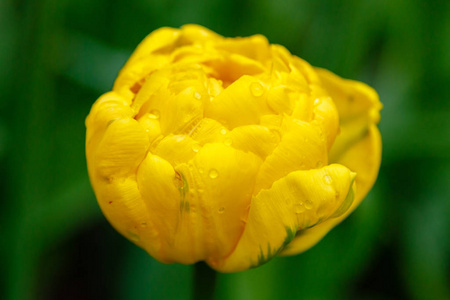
359	144
255	47
133	75
300	148
241	103
353	99
150	123
162	38
199	207
231	67
327	117
208	131
299	200
178	105
176	149
358	147
122	204
157	183
199	34
364	158
120	151
108	108
222	179
254	138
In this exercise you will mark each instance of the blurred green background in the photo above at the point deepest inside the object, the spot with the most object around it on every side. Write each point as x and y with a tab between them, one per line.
57	57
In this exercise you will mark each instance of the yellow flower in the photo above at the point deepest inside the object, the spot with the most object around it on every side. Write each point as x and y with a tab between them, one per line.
229	150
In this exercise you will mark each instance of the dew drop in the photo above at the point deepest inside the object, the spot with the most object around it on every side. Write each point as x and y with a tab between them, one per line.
144	224
256	89
299	208
221	210
200	170
180	138
317	101
328	179
319	164
223	131
154	114
308	204
147	130
197	96
213	173
195	147
227	142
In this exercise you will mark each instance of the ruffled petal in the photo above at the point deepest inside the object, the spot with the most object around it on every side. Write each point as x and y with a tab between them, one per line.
160	190
120	151
358	147
301	148
122	204
254	138
299	200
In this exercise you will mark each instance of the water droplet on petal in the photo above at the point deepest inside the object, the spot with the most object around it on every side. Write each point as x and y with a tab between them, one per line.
213	173
221	210
227	142
308	204
223	131
328	179
144	224
197	96
154	114
200	170
180	138
317	101
319	164
256	89
195	147
299	208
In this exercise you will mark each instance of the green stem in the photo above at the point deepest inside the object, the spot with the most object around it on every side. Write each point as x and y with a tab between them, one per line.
204	282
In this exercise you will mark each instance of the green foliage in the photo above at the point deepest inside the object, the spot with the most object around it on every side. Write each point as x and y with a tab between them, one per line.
57	57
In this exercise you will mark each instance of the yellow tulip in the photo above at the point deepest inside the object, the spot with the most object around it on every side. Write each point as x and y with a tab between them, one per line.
229	150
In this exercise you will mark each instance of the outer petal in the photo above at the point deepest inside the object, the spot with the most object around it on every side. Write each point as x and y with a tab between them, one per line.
301	199
358	147
108	108
161	194
120	151
255	47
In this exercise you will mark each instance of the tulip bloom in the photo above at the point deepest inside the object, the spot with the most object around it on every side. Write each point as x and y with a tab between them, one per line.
229	150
